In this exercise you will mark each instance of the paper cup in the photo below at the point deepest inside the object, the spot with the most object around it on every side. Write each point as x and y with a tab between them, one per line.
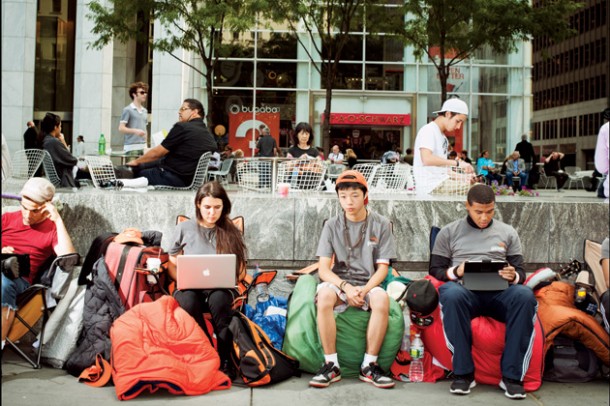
153	264
283	189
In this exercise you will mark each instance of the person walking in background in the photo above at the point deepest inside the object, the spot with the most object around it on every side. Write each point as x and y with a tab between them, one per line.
134	120
30	136
266	145
552	167
601	150
526	151
79	147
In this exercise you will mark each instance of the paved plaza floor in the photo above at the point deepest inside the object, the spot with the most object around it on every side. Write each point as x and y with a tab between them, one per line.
22	385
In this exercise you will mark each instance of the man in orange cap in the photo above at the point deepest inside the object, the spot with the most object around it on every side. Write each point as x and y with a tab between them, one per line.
363	245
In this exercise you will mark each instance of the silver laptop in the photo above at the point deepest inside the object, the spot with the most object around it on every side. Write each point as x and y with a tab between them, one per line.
484	276
205	271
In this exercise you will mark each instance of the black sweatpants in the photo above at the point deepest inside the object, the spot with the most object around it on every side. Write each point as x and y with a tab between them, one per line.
217	302
516	306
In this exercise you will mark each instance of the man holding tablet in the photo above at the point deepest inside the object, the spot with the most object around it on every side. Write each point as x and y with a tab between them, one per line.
478	237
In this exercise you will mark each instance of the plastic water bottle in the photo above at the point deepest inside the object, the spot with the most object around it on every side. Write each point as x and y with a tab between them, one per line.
416	372
262	292
101	145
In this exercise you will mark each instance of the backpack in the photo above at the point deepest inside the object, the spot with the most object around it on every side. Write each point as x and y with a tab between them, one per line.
257	361
127	268
570	361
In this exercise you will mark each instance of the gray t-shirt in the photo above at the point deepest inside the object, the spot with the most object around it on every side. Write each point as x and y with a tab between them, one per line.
605	254
193	239
377	245
134	119
461	242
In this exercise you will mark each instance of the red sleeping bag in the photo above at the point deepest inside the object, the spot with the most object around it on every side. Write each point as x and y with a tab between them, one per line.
159	345
487	346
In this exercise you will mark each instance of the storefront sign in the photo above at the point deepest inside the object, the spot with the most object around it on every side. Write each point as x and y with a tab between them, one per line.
243	129
395	120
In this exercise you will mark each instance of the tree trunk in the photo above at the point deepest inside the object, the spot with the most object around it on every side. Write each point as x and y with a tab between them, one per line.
330	79
209	73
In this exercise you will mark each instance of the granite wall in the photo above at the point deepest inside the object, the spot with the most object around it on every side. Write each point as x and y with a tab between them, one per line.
284	232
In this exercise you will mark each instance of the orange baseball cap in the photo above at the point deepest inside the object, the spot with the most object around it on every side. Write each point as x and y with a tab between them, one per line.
130	235
352	176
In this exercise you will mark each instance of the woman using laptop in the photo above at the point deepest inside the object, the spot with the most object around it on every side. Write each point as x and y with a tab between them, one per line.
212	232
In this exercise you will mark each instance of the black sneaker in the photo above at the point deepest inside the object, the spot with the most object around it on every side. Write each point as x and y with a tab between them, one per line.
228	369
462	384
375	375
328	374
512	388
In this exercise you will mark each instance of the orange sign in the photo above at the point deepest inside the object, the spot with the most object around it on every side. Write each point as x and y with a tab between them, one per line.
242	127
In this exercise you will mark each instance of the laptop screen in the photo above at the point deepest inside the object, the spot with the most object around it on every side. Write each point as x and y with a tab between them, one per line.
215	271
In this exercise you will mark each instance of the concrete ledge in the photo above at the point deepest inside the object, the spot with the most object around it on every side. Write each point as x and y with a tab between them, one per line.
284	232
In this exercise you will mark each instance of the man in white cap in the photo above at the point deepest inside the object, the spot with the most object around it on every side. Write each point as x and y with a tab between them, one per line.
38	230
430	162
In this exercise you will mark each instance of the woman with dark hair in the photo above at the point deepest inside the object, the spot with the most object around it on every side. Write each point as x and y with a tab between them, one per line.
303	137
212	232
53	141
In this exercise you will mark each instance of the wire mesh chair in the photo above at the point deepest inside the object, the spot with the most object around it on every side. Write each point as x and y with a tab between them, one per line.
26	162
573	177
255	175
367	170
446	181
391	177
223	172
102	172
302	174
49	169
201	174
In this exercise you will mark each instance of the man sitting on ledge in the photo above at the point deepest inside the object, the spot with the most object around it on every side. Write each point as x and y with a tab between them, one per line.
174	161
478	237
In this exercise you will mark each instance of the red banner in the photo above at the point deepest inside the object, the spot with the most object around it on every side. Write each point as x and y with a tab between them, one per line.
241	126
390	120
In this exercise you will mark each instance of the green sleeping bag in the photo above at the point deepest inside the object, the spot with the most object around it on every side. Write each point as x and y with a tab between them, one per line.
302	340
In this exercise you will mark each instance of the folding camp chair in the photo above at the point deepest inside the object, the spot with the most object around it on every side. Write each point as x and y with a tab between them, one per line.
33	305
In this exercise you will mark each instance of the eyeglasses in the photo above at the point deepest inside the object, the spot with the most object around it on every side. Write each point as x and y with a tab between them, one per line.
142	92
184	108
421	321
37	210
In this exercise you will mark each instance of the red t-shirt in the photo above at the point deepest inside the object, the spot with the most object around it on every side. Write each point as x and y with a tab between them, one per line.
37	240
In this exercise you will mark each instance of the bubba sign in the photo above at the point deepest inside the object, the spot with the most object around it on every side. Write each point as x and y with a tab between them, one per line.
395	120
241	127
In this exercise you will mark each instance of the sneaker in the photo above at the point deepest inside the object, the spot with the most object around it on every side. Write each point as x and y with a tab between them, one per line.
462	384
328	374
228	369
375	375
512	388
560	190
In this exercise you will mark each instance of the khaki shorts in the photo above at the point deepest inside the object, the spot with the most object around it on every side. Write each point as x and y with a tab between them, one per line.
340	308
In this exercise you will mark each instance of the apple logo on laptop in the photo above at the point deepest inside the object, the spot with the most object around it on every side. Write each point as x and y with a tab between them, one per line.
206	272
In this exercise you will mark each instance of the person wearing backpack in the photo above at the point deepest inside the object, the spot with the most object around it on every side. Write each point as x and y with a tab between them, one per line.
363	246
212	232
